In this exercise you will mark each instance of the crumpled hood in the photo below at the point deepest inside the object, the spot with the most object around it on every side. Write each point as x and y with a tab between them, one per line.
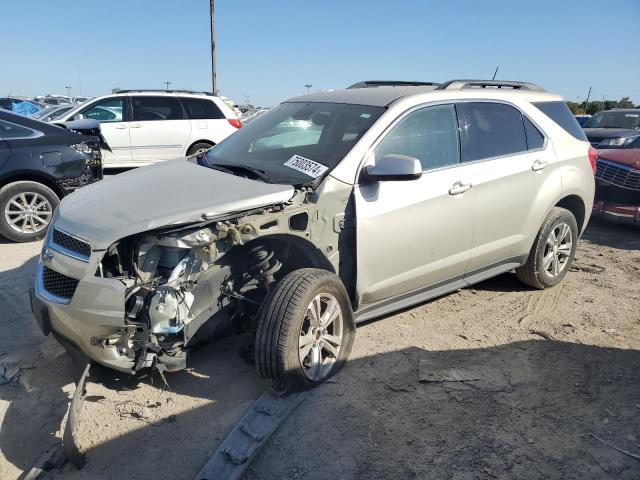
168	193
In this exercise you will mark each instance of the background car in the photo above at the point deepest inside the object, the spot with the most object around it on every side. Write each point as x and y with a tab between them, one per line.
17	105
80	99
582	119
618	128
618	186
53	99
52	112
144	127
39	164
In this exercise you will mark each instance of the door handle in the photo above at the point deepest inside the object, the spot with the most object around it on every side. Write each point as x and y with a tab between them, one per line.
539	165
135	125
459	187
121	127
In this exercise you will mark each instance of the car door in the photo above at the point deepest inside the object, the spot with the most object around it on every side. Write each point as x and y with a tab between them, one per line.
415	234
112	114
159	130
514	173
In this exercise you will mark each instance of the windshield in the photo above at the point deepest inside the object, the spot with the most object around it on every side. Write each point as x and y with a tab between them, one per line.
614	120
294	143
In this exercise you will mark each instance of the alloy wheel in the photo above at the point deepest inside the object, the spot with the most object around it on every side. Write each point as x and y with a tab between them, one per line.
28	212
321	336
557	251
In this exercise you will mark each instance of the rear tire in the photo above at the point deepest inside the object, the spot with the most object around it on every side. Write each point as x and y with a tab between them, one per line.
305	330
26	210
552	252
199	147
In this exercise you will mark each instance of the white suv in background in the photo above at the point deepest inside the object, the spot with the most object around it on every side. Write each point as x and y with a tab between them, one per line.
147	126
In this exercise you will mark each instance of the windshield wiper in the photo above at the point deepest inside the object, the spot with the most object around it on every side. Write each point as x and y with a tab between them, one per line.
234	169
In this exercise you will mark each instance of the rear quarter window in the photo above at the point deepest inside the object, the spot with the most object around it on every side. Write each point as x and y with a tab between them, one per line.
201	109
560	113
10	131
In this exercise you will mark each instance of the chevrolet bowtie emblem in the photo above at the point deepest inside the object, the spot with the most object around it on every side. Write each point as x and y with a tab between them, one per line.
46	256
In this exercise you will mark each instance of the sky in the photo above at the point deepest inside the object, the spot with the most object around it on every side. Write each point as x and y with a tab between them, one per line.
268	50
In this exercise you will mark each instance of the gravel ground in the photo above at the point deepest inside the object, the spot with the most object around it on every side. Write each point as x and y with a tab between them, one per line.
494	381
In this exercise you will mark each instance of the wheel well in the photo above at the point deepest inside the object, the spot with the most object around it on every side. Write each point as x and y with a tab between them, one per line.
30	177
575	205
294	252
200	141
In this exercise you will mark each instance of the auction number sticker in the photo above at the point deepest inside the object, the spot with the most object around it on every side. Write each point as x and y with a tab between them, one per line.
306	166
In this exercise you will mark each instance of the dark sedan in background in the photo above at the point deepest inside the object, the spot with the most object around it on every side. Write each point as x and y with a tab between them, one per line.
39	164
618	186
618	128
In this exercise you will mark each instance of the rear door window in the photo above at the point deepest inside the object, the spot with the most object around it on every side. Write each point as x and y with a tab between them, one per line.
106	111
201	109
560	113
147	108
490	130
429	134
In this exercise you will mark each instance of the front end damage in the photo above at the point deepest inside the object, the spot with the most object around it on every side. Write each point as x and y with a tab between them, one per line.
149	297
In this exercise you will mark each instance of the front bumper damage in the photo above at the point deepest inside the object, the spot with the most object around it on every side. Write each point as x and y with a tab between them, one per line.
146	299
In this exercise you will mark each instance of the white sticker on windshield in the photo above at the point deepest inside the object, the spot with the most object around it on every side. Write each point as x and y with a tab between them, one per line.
306	166
632	115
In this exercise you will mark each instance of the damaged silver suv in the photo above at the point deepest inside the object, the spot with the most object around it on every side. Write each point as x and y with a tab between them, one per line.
330	209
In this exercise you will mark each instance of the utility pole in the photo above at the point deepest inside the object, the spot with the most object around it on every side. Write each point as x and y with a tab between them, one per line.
68	91
308	86
586	102
214	82
495	73
167	85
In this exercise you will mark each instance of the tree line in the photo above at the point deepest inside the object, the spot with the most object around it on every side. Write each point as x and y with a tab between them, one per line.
596	106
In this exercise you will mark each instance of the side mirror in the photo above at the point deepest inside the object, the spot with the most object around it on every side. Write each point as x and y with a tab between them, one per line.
394	168
78	116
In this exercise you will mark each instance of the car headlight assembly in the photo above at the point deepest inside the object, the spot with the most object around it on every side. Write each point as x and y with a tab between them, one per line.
617	142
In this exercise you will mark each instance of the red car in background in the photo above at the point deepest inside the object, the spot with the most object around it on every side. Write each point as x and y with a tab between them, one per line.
618	185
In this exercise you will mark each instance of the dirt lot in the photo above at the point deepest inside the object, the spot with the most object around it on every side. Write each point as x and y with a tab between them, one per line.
495	381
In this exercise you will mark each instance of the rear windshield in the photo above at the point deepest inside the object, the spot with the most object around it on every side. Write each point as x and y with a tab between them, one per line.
560	113
614	119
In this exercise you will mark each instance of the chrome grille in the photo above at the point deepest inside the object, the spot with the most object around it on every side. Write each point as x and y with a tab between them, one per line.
58	284
618	175
71	244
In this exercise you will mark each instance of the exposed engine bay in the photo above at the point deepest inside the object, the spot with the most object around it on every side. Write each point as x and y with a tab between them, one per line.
195	282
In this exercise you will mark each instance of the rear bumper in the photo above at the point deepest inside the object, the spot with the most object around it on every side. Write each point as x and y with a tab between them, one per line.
92	174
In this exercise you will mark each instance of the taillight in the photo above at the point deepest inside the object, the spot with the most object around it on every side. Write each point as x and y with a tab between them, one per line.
593	156
234	122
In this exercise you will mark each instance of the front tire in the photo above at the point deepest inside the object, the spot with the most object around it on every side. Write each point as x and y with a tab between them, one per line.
26	209
305	330
552	252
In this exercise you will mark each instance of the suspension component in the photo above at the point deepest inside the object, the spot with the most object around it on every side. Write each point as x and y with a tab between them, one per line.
266	264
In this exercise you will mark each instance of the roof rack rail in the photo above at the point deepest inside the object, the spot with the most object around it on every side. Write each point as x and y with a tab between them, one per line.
159	90
392	83
462	84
